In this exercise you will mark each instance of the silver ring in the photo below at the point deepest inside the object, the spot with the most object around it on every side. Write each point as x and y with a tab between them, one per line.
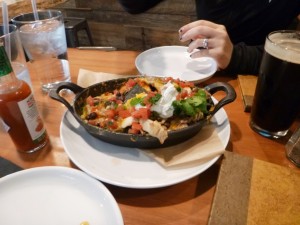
205	43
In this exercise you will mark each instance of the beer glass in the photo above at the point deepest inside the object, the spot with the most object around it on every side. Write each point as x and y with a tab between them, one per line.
276	102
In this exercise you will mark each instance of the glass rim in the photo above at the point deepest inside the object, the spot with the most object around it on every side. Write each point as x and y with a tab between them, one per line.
284	44
273	42
56	14
269	36
12	28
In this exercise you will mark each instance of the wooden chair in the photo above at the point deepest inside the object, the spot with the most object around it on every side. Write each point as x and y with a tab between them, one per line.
72	26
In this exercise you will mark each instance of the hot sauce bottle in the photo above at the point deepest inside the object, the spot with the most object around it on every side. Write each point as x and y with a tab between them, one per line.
19	114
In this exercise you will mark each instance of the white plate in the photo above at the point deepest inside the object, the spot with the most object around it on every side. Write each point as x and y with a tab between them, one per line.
127	167
175	61
55	196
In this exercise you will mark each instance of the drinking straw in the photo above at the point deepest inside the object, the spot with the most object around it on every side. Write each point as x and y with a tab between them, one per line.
34	9
6	29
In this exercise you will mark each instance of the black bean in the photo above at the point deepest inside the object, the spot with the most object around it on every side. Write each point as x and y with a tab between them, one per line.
119	96
91	116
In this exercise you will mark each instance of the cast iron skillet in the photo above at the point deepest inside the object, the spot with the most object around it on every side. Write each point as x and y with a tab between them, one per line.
131	140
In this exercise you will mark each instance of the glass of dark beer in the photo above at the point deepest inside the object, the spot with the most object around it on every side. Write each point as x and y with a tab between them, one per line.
276	103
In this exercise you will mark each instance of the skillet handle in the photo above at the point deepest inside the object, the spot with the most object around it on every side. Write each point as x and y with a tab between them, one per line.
221	86
54	93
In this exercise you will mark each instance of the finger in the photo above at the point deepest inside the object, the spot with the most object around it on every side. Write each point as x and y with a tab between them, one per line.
205	53
200	53
213	53
199	32
200	44
191	25
191	31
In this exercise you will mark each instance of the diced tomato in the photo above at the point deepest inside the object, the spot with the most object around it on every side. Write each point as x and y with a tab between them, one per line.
93	122
141	113
120	107
191	94
113	98
93	108
112	124
189	84
118	101
169	79
124	113
148	106
90	101
132	131
182	84
192	84
146	100
102	124
136	126
151	94
183	94
130	83
110	113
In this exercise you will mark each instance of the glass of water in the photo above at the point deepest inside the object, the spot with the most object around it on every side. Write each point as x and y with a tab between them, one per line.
44	41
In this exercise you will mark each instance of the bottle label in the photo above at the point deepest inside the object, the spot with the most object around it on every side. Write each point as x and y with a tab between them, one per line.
4	126
5	67
32	119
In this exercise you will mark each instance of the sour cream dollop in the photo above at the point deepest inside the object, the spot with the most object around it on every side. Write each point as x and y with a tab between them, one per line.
164	106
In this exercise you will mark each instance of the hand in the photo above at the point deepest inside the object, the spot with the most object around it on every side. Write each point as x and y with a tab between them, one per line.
219	45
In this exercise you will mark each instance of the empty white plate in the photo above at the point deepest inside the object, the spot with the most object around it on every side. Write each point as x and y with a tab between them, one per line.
175	61
56	195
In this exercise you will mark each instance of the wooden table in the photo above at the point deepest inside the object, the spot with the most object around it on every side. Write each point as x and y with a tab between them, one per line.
186	203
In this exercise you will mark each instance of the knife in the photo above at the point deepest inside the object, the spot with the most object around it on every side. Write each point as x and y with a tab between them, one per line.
100	48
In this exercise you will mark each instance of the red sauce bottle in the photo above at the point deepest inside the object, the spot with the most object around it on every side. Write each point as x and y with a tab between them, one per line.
18	111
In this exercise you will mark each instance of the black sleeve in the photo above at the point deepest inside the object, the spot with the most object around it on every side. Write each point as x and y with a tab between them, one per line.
245	59
138	6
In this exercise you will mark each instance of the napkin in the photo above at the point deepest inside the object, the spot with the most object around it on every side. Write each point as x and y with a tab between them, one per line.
87	77
246	193
201	148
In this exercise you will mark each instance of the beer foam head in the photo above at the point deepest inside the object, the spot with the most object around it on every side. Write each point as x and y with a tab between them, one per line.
284	45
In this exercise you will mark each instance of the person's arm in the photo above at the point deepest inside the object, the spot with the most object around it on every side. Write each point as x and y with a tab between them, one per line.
138	6
231	59
245	59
